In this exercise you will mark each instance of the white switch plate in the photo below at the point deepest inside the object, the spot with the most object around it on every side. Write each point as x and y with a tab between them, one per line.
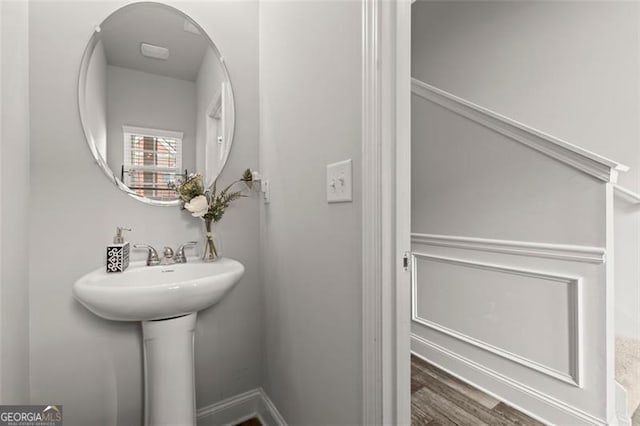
265	187
339	182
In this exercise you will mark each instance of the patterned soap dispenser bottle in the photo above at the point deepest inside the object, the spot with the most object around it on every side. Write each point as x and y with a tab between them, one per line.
118	252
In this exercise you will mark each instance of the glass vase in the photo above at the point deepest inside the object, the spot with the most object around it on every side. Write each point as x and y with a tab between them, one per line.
210	252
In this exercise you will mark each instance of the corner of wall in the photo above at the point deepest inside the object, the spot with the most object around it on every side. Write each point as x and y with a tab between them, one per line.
14	199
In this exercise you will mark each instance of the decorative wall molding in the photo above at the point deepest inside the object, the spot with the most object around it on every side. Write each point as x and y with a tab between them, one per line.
554	404
634	197
573	376
238	408
563	252
622	413
565	152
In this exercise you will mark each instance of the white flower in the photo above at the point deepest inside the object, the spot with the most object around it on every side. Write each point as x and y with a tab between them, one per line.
198	206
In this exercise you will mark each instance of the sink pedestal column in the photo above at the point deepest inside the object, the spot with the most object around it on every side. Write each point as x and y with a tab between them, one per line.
169	392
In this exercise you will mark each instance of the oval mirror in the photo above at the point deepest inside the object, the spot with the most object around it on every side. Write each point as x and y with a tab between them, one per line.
155	101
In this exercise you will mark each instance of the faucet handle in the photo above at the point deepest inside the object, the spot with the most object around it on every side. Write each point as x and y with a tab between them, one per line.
180	256
152	256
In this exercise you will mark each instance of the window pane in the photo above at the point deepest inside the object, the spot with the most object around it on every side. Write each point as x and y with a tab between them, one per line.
152	164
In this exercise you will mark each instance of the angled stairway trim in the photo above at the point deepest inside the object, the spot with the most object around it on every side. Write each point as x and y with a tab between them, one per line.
581	159
631	196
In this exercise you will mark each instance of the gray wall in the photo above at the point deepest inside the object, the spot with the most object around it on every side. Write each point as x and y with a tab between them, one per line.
141	99
311	254
14	199
548	65
90	365
210	76
96	94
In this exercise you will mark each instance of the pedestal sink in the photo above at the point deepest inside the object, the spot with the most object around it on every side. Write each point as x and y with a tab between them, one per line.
166	299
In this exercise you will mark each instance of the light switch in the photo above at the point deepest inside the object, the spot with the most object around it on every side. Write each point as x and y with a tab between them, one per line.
265	187
339	182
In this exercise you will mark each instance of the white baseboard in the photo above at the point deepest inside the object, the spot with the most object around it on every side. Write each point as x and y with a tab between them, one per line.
623	416
540	406
238	408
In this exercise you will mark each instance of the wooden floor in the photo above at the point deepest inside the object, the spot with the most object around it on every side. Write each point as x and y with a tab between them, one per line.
439	399
254	421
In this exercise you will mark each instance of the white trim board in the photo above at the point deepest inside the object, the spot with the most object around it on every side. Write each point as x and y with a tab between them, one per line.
586	161
627	194
573	376
549	410
399	174
372	274
622	414
241	407
572	253
386	210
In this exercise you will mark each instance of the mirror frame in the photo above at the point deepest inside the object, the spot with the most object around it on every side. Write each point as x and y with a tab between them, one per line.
82	81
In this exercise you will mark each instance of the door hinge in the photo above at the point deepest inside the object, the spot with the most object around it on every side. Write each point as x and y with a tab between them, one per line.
405	260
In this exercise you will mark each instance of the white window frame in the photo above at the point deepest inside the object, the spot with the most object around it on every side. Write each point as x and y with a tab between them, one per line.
128	131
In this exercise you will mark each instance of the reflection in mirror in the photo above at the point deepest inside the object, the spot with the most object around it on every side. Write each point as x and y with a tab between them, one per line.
155	101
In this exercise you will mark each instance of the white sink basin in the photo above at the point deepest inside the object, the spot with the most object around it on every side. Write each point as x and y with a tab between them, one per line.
166	299
143	293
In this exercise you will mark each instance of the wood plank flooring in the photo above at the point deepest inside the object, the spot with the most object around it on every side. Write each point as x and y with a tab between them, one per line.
254	421
439	399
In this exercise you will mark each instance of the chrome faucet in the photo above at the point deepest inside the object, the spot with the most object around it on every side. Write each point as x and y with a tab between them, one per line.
180	256
152	255
168	256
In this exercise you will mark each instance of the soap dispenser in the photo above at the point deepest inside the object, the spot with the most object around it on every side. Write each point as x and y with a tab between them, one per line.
118	252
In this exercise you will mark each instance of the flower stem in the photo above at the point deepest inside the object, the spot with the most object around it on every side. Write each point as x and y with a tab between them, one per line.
209	244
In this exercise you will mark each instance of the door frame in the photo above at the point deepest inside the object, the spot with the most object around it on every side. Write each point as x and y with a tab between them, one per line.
386	211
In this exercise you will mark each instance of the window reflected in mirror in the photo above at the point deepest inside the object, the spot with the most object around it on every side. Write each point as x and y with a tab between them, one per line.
152	162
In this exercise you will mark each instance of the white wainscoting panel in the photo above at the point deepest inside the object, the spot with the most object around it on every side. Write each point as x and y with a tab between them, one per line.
503	310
